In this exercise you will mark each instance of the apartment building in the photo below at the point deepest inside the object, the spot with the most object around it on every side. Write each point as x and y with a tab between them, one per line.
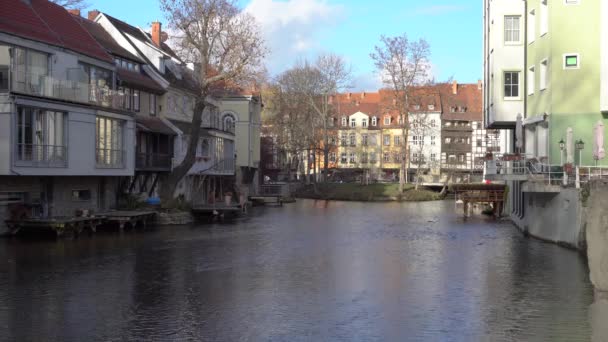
65	134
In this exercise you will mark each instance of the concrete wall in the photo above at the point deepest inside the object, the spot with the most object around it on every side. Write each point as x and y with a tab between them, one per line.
596	219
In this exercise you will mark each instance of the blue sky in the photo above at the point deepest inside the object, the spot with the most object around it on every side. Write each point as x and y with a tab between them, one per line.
296	29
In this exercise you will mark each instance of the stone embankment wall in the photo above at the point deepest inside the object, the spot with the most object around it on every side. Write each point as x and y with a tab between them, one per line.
595	200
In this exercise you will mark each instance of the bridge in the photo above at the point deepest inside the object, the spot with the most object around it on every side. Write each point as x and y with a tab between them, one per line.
480	193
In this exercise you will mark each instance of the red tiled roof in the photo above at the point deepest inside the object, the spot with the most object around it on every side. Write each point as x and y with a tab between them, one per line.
106	40
468	96
48	23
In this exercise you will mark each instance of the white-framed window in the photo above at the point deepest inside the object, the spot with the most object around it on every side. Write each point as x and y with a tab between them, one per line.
353	139
353	123
344	121
572	61
531	26
343	158
387	157
433	157
431	107
387	120
353	157
415	140
544	17
109	142
433	123
397	140
433	140
511	84
364	139
374	121
387	140
531	78
512	29
544	75
343	139
332	157
364	123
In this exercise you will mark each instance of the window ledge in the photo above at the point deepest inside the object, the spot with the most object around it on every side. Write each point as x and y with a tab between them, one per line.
512	98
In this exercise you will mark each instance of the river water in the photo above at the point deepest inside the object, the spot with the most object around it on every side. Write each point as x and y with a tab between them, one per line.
310	271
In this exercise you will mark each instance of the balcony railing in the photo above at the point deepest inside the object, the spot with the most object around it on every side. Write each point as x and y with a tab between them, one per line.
41	155
153	161
225	166
109	158
67	90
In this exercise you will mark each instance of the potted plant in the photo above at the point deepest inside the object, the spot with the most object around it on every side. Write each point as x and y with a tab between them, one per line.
228	197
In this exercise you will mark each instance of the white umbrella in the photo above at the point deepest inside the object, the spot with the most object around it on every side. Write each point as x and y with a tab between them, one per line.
519	132
569	146
598	150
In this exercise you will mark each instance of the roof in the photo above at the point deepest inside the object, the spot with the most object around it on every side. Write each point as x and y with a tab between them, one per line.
127	28
140	81
46	22
106	40
153	124
468	96
348	108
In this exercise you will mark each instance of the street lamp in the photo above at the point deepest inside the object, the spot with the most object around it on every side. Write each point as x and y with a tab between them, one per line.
580	145
562	147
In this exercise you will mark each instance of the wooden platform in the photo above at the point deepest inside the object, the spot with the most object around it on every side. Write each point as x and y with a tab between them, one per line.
490	194
133	218
60	225
267	199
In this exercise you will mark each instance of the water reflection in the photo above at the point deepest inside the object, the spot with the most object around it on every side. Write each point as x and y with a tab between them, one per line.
314	270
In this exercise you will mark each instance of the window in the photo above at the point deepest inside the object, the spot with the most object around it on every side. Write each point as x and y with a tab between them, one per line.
461	158
332	157
479	143
99	80
343	158
512	29
387	120
415	140
400	121
372	158
571	61
372	140
81	195
387	140
343	139
364	158
374	121
531	81
544	76
40	136
204	149
544	17
415	157
353	139
433	157
431	107
364	123
432	140
152	104
30	69
433	123
344	121
448	140
109	142
397	140
417	107
531	26
396	157
353	123
353	157
387	157
364	139
228	123
136	100
511	79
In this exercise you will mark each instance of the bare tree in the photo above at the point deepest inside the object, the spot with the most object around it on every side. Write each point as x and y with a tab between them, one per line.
403	64
71	4
226	47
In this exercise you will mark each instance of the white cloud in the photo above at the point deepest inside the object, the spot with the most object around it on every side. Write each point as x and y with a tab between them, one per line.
293	28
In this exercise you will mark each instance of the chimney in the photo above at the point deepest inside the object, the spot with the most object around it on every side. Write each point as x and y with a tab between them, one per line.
455	88
362	95
75	12
479	85
156	33
92	15
348	96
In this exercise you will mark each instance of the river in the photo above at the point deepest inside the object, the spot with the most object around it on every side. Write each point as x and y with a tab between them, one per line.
310	271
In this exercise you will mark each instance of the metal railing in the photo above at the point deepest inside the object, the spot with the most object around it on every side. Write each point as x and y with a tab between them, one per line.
153	161
226	166
42	155
109	158
271	190
64	89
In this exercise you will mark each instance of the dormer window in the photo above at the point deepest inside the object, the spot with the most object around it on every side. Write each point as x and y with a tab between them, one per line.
431	107
387	120
462	109
374	121
416	107
344	121
127	65
453	109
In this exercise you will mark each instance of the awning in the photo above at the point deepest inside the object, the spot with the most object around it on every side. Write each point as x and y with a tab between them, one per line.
153	124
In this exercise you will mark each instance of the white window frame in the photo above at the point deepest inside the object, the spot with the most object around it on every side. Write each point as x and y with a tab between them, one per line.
353	122
374	121
387	120
344	121
531	26
364	123
518	97
578	61
531	80
519	30
544	74
544	17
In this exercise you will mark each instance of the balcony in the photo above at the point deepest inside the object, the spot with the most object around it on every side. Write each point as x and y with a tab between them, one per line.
153	162
66	90
41	155
225	166
110	159
456	147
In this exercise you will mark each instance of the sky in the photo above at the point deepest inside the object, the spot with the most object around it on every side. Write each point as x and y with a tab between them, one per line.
299	29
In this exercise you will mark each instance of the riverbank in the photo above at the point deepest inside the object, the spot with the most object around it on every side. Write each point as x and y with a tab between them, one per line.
379	192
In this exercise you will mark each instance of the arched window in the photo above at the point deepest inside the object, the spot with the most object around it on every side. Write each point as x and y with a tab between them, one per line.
228	122
374	121
344	121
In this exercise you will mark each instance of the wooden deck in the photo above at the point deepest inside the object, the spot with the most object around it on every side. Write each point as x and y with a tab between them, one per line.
133	218
267	199
60	225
